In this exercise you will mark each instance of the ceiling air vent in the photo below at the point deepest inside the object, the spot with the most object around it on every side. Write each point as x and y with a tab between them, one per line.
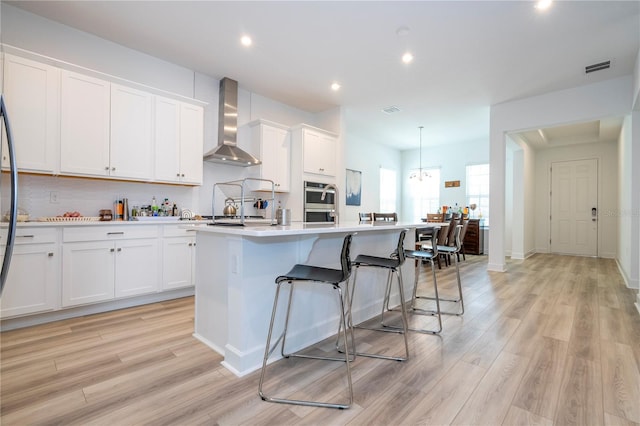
597	67
390	109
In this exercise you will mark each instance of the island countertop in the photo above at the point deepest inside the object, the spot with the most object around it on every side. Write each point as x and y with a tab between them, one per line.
305	228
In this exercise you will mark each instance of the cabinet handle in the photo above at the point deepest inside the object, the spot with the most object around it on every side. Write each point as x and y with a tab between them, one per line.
25	236
182	175
322	170
106	168
119	249
115	233
191	230
113	169
50	254
190	244
112	250
178	174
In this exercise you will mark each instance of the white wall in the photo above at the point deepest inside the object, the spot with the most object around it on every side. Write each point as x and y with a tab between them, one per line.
611	98
607	155
368	158
452	160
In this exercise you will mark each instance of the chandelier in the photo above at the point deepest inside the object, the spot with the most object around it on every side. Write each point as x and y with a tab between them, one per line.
420	174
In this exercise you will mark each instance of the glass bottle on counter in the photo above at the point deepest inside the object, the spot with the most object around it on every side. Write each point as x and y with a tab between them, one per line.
154	207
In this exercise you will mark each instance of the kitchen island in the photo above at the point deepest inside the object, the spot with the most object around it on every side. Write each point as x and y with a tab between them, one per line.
235	272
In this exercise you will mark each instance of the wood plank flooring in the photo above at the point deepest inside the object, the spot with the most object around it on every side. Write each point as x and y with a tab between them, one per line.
553	341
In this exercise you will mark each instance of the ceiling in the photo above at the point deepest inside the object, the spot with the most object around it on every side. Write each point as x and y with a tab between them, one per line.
468	54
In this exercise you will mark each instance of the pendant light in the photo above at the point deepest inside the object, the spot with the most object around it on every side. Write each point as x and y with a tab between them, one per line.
420	174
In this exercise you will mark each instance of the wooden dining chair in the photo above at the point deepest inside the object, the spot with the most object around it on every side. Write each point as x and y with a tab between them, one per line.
387	217
435	217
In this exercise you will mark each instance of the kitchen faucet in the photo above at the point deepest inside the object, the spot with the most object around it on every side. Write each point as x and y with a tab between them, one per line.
333	213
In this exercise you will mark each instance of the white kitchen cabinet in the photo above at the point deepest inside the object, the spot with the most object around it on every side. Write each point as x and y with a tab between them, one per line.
84	125
107	262
131	143
178	141
178	258
273	143
32	96
319	149
33	283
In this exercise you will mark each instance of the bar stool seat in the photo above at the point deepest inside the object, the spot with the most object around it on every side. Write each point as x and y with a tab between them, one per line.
308	273
393	265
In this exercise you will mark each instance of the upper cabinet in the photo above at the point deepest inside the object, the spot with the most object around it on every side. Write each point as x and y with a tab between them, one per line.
131	147
319	149
71	123
32	95
178	141
273	143
84	125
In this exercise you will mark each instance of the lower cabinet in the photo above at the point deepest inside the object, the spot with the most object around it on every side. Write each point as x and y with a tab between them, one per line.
33	283
115	262
178	258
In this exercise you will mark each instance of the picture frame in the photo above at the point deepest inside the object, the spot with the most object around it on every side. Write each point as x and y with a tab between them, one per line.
353	187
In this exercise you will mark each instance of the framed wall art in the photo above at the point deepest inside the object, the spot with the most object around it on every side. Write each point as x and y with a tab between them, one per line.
354	187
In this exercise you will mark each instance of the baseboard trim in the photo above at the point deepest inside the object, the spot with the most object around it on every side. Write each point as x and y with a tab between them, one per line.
627	281
78	311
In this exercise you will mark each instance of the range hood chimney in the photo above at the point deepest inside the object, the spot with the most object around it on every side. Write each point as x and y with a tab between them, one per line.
227	151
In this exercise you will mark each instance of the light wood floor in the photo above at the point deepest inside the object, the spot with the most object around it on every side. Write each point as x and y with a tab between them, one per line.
555	340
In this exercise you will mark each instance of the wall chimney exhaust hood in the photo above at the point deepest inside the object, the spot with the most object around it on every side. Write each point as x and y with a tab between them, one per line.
227	151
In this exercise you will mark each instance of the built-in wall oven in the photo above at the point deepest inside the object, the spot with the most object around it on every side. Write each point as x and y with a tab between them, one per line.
315	208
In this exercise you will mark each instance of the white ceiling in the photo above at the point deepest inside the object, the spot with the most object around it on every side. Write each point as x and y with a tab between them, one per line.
468	54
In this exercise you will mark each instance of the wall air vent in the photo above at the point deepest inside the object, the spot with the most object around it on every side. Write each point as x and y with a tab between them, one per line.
390	109
597	67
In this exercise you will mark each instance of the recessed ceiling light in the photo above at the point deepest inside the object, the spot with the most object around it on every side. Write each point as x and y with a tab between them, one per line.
407	58
335	87
246	40
543	4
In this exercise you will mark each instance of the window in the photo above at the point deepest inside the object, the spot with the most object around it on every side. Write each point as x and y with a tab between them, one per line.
425	192
387	191
478	191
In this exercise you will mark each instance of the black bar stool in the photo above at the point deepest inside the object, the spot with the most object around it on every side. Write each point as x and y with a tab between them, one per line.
451	250
306	273
419	257
393	265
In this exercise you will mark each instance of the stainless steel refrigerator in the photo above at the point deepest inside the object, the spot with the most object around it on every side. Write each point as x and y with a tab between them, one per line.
8	230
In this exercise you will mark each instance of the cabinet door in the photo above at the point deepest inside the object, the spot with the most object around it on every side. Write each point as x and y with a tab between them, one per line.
319	153
191	142
32	95
84	125
167	140
131	145
178	262
275	156
88	271
33	281
136	267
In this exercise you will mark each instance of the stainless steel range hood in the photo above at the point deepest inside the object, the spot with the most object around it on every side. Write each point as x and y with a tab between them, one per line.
227	151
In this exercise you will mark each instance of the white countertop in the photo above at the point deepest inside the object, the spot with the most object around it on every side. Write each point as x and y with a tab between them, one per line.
158	221
302	228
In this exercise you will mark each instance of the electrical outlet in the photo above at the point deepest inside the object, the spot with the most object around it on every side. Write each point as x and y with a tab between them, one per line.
53	197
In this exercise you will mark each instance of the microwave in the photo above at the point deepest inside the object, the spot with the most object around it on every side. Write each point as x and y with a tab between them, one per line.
315	208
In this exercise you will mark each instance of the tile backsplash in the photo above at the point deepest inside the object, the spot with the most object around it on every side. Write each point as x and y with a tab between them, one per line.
89	196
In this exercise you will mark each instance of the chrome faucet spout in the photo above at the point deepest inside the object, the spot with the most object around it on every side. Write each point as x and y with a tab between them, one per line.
334	213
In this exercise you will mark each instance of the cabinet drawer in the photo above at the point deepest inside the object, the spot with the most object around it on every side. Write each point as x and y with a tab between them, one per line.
178	231
35	235
97	233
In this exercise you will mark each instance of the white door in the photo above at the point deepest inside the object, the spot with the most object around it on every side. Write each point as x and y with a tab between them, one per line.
574	203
